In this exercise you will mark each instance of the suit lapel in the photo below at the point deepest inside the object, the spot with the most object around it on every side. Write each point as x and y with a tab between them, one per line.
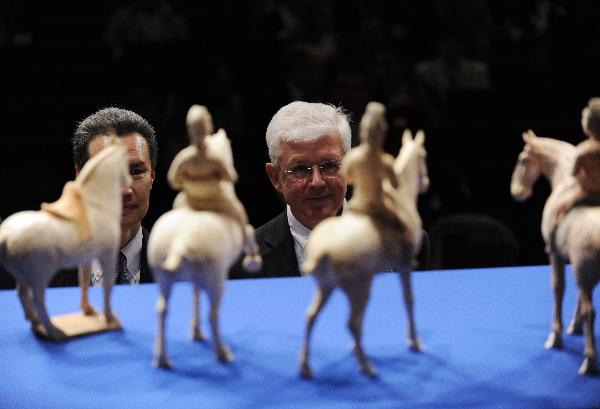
145	274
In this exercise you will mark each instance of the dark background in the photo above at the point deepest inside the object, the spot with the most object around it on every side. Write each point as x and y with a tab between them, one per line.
59	64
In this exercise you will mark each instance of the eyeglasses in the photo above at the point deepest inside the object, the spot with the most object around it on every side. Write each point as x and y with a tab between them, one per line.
300	172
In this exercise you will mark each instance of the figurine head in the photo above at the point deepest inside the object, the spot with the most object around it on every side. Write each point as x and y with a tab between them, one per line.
95	132
590	119
199	124
307	142
373	125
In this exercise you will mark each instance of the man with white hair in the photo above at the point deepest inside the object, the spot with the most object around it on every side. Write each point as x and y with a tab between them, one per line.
306	143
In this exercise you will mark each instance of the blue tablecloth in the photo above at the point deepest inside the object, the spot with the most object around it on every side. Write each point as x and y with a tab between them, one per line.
484	331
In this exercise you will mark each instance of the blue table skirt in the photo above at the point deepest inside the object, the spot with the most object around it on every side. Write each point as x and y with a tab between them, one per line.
484	331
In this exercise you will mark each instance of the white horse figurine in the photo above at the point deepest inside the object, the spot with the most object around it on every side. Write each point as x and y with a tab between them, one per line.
347	251
576	238
200	247
82	226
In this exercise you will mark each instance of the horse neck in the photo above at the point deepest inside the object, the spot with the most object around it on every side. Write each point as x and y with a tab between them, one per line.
555	159
407	173
102	188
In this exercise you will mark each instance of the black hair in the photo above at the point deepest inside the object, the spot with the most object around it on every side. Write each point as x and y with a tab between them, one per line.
109	121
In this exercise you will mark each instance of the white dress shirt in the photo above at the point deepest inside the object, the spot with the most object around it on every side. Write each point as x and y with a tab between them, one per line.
132	252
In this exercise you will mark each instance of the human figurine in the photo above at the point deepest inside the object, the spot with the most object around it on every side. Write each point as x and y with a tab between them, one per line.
347	251
590	119
206	180
586	168
585	189
198	240
570	226
83	225
367	166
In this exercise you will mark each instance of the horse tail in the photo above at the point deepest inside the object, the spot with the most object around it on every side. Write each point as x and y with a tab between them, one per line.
315	264
3	251
174	255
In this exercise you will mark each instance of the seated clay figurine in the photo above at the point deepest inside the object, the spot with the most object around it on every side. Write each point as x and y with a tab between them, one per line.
367	166
570	226
347	251
205	175
203	235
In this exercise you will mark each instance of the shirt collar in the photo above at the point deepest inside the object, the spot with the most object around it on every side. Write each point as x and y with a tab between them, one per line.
300	232
132	251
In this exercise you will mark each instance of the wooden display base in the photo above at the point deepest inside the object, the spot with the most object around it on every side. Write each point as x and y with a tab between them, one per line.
78	324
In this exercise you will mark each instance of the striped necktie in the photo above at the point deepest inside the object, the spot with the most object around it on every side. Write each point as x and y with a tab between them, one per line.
123	274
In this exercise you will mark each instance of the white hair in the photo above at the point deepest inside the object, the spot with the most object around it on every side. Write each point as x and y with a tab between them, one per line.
304	122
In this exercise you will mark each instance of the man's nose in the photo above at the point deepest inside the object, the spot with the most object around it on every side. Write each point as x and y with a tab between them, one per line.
126	189
316	179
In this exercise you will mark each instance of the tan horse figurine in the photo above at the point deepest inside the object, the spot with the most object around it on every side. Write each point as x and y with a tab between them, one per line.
574	236
82	226
347	251
199	246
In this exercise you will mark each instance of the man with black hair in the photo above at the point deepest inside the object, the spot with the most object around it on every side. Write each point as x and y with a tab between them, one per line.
91	135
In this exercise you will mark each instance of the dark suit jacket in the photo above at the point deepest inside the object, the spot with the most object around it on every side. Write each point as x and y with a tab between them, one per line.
65	278
279	256
276	246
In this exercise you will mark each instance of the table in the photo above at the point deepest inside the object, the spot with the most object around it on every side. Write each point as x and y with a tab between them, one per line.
484	331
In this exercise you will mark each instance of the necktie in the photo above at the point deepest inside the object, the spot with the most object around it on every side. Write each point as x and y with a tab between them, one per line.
123	274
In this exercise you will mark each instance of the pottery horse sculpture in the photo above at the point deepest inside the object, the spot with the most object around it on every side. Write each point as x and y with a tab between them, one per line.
83	225
347	251
198	246
576	237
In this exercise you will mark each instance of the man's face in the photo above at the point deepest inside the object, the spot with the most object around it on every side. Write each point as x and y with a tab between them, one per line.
317	197
136	199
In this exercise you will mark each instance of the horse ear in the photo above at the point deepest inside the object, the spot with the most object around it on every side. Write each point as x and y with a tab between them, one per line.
528	136
406	136
420	137
221	132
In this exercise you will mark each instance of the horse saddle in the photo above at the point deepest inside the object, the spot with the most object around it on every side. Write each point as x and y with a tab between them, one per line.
70	207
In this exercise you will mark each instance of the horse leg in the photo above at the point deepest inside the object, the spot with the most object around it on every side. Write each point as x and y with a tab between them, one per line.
413	341
588	367
215	294
108	262
576	324
197	334
25	296
39	304
161	359
84	284
558	285
358	293
318	302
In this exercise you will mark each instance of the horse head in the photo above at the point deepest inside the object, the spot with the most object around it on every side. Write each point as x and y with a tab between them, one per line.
411	164
108	166
528	169
550	157
218	146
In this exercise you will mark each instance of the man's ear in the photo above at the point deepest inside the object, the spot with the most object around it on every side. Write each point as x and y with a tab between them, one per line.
152	176
77	170
272	172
